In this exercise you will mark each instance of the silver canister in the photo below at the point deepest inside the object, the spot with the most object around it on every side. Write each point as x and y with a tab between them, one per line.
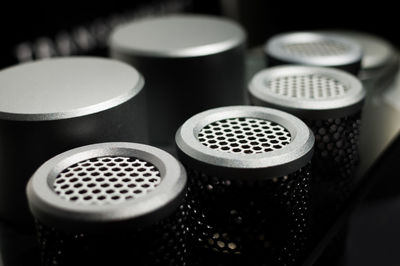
190	63
49	106
109	203
330	102
249	172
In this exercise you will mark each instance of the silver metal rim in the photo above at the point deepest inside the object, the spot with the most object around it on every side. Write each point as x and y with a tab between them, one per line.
262	165
111	103
273	48
308	108
47	206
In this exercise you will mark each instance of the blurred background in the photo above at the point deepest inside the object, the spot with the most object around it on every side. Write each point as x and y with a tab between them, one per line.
46	27
39	29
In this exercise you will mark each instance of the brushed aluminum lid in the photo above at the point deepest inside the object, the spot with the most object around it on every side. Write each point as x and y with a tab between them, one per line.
177	36
106	184
245	142
307	92
60	88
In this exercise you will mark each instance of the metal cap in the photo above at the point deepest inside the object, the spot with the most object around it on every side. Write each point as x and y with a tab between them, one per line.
314	49
307	92
107	185
245	142
177	36
60	88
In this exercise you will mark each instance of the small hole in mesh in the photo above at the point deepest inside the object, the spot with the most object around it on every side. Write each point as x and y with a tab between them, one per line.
246	135
101	189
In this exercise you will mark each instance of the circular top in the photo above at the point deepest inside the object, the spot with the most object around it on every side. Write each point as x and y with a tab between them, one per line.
308	92
107	180
107	185
61	88
317	49
178	36
376	51
245	142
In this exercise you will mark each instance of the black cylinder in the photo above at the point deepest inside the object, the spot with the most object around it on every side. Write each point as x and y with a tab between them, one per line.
108	204
50	106
329	101
190	62
314	49
249	181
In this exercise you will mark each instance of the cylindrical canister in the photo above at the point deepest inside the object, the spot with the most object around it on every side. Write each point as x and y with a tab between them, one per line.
110	204
191	63
50	106
248	170
314	49
330	102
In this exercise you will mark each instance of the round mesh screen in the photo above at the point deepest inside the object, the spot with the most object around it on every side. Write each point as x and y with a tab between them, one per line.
310	86
316	48
244	135
107	180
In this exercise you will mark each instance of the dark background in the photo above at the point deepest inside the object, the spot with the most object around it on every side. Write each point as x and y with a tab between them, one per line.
29	20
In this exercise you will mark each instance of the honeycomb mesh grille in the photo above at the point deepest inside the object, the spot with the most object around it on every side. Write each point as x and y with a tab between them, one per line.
107	180
244	135
310	86
317	48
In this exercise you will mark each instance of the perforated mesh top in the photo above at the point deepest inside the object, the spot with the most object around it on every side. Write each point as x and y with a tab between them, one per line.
316	48
107	180
244	135
310	86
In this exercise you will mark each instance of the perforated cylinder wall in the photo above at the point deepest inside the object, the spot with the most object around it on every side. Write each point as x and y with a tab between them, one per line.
164	243
236	222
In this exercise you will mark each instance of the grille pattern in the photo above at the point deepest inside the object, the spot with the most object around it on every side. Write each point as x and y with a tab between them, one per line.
244	135
310	86
236	222
163	243
334	163
316	48
107	180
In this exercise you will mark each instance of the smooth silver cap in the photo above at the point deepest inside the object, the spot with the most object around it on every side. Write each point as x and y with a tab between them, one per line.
177	36
87	189
314	49
307	92
54	89
245	142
